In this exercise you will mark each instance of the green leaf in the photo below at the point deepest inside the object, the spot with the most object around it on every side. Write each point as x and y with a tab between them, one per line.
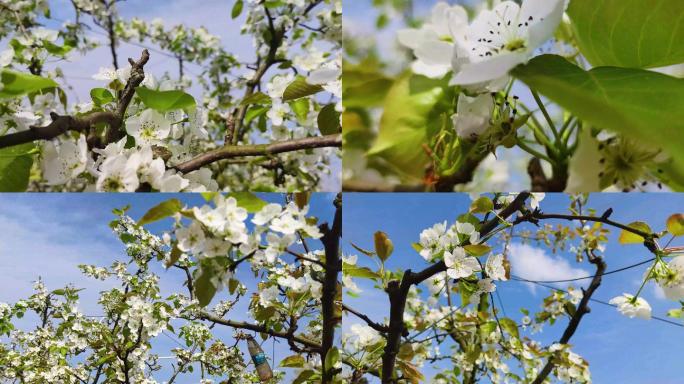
15	84
254	112
510	326
411	110
257	98
675	224
161	211
174	256
482	205
477	249
640	104
164	101
15	167
294	361
363	251
204	288
331	358
627	237
383	245
363	85
360	272
329	120
237	9
300	88
305	376
629	33
101	96
300	107
248	201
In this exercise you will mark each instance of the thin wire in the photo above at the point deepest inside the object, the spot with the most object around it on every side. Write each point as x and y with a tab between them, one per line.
590	277
515	278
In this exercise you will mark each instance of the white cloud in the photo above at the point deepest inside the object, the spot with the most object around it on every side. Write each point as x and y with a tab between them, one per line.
533	263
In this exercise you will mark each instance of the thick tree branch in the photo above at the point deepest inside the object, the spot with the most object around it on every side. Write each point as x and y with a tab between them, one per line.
83	124
333	265
582	309
232	151
259	328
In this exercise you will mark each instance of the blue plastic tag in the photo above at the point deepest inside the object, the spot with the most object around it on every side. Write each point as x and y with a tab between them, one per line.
259	359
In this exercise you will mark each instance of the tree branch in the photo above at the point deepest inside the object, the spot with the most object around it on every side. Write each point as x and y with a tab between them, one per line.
232	151
377	326
582	309
398	291
333	266
259	328
83	124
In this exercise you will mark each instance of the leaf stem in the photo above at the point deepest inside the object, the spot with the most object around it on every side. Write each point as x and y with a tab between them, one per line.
542	108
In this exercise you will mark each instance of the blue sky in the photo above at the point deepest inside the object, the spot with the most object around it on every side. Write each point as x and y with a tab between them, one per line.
48	235
620	350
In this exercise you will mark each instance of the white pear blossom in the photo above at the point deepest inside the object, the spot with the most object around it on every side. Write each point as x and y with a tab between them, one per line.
6	57
118	174
191	238
433	43
459	265
501	38
278	112
473	116
266	214
632	308
672	283
148	128
495	267
65	161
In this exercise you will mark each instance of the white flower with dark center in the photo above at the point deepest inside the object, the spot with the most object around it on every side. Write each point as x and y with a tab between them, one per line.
500	39
631	307
459	265
64	162
150	127
495	267
433	42
473	116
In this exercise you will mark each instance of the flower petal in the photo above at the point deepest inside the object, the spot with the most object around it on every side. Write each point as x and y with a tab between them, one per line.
490	69
547	14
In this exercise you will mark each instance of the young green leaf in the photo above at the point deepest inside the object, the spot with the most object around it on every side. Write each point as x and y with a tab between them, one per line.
164	101
300	88
627	237
15	84
329	120
383	245
675	224
15	167
248	201
161	211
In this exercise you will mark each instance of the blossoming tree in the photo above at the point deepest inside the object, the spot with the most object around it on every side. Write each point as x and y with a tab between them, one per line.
271	124
586	93
296	301
445	315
